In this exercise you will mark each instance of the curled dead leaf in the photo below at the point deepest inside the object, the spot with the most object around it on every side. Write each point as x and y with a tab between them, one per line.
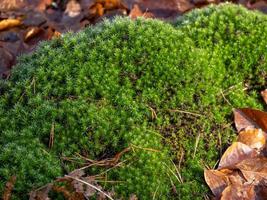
216	180
254	170
99	7
137	12
238	192
73	8
43	4
235	154
246	117
9	23
254	138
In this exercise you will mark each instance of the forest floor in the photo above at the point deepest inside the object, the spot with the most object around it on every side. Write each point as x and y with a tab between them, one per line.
24	23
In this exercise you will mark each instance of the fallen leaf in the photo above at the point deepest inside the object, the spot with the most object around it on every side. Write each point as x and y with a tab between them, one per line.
216	180
254	169
238	192
246	117
73	8
235	154
254	138
137	12
264	95
11	4
184	5
56	34
97	9
100	7
8	188
43	4
9	23
42	193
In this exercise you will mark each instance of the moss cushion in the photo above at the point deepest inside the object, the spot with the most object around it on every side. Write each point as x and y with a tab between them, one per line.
164	90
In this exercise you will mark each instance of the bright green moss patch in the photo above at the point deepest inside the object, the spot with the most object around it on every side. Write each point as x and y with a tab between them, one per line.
165	90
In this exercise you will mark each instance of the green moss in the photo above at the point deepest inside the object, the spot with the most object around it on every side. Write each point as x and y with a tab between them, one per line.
100	87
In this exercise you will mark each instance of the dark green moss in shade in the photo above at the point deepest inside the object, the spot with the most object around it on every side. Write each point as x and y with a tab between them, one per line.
98	89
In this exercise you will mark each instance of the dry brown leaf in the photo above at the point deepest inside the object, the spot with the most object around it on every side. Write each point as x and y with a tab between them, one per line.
56	34
254	169
264	95
254	138
8	188
41	194
216	180
137	12
73	8
246	117
11	4
9	23
184	5
238	192
235	154
43	4
99	7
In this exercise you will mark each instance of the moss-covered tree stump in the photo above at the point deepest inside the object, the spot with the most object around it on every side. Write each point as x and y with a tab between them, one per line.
165	90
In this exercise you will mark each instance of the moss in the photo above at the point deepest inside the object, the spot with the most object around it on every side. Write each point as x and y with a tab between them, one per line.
100	90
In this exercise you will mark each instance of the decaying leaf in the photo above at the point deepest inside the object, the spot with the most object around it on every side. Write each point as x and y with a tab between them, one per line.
246	117
254	169
101	6
216	180
184	5
11	4
42	193
235	154
238	192
254	138
43	4
73	8
264	95
137	12
242	171
9	187
9	23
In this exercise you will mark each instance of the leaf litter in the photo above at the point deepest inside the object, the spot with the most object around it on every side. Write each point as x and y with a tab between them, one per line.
24	23
242	170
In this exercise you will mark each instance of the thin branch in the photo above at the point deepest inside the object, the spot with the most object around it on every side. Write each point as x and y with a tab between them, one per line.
79	180
186	112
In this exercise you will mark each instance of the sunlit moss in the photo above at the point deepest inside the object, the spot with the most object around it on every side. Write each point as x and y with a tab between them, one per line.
165	90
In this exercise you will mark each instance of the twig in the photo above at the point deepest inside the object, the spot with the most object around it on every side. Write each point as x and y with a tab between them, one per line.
144	148
153	113
225	98
173	173
196	145
178	172
52	134
106	162
181	159
154	195
186	112
79	180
